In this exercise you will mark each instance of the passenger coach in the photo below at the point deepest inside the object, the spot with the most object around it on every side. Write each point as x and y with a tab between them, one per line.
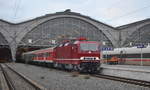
129	55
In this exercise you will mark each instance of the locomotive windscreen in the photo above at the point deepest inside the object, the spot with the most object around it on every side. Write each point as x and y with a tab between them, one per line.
89	46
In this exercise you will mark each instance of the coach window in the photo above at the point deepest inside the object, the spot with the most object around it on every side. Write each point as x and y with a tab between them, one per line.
47	54
43	54
40	55
36	55
32	56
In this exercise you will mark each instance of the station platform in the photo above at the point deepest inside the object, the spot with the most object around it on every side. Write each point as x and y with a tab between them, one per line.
127	71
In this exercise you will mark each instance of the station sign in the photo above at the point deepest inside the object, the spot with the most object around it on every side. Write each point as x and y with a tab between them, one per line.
140	46
107	49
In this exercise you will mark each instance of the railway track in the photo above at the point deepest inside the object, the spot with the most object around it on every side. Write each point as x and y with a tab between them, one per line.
126	80
17	81
3	83
115	78
120	79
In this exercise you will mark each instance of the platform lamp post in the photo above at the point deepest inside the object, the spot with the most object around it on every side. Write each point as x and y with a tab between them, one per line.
141	46
130	44
29	42
148	44
141	57
103	44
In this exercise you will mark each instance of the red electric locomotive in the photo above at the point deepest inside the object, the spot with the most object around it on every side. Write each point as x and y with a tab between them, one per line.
79	54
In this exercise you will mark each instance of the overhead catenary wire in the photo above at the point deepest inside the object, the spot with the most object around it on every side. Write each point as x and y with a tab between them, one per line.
113	4
16	7
129	13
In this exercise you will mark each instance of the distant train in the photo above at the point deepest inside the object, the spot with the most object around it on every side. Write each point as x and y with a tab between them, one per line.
129	55
79	54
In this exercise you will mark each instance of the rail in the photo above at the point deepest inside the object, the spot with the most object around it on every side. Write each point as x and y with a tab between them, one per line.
7	78
122	79
10	82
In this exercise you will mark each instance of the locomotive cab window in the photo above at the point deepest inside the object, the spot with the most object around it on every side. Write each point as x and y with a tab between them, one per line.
89	47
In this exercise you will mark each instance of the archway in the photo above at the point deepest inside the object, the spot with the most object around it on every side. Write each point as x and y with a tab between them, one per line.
139	36
63	27
5	54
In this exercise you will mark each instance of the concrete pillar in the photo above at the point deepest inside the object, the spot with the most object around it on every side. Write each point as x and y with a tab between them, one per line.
13	53
13	48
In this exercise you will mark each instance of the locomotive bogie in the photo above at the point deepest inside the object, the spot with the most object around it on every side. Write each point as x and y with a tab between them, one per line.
89	67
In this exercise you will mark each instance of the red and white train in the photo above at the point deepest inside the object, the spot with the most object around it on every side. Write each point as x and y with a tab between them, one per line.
128	55
79	54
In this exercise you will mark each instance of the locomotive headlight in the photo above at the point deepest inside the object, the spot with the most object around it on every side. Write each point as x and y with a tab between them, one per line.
97	58
81	58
